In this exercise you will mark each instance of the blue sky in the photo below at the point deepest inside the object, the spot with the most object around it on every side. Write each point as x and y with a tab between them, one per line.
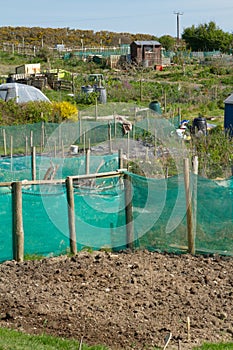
155	17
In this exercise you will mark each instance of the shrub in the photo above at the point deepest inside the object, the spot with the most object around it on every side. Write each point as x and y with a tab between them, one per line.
65	111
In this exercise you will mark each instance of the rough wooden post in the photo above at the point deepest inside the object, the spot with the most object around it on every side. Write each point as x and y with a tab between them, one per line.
11	146
42	135
110	137
195	172
4	141
26	145
96	108
129	212
120	159
17	218
33	162
88	152
128	145
191	241
71	214
31	138
55	149
62	148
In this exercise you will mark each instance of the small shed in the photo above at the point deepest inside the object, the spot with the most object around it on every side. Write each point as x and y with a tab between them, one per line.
146	53
30	68
228	114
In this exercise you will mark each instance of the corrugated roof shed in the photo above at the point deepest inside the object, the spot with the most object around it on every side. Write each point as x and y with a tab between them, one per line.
147	42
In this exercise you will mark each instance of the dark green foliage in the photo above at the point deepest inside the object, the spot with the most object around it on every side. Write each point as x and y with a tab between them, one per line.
215	153
30	112
207	37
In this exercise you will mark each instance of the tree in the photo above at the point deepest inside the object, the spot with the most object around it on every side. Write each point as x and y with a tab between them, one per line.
207	37
168	42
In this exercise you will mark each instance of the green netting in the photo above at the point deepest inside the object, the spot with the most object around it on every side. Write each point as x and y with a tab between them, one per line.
159	207
214	212
55	139
159	212
6	247
19	168
42	236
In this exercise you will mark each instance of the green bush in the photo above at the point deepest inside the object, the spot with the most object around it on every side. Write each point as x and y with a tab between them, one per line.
35	111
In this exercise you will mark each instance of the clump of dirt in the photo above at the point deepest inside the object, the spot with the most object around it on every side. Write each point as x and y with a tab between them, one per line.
121	300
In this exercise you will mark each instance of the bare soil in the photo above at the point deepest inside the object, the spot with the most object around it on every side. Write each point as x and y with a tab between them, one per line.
121	300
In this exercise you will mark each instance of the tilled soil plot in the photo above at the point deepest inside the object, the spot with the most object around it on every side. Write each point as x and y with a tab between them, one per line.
123	300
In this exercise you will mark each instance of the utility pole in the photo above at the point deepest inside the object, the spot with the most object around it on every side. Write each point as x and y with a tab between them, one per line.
178	14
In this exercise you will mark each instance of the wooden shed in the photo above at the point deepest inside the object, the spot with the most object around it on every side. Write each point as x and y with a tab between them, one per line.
228	114
146	53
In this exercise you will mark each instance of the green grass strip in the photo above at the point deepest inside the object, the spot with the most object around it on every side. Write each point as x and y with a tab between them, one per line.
218	346
14	340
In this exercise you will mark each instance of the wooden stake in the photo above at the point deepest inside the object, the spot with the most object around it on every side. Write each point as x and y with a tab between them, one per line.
191	243
129	212
18	234
128	145
120	159
88	152
110	137
31	138
115	127
26	146
4	141
62	148
96	109
55	149
80	127
195	172
71	214
11	146
188	328
42	135
33	162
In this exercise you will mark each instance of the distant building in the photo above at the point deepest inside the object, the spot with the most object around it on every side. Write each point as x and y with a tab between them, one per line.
146	53
228	114
30	68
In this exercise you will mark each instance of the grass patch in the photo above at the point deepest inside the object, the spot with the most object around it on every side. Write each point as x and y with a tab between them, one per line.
218	346
14	340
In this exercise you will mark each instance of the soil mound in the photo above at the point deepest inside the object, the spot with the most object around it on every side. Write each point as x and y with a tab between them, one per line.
121	300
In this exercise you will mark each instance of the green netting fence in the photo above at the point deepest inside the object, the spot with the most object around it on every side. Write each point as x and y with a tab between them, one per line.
159	205
159	216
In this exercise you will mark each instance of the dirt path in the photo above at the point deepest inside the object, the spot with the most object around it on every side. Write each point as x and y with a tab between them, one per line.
123	300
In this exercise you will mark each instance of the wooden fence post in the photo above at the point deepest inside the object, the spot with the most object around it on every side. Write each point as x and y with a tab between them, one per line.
31	138
195	172
11	146
4	141
191	240
17	218
120	159
42	135
26	145
110	137
129	212
88	152
33	162
71	214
